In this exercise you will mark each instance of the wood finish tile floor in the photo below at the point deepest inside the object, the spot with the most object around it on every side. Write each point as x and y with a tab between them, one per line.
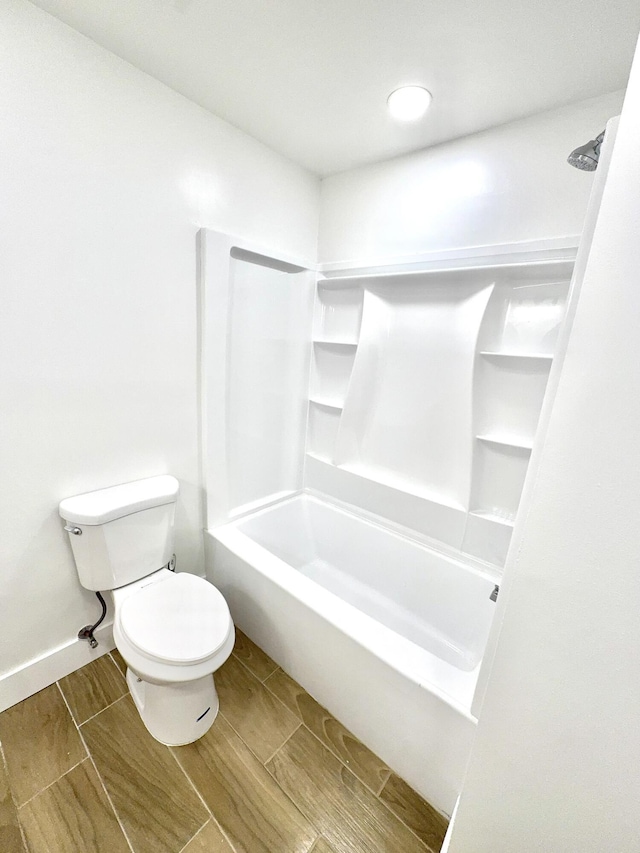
276	773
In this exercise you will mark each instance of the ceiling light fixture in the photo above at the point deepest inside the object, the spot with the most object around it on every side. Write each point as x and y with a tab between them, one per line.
409	103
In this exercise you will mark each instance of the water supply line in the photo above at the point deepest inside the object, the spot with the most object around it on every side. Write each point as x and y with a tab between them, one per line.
86	633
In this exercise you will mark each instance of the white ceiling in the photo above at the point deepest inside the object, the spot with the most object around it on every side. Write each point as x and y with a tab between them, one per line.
310	78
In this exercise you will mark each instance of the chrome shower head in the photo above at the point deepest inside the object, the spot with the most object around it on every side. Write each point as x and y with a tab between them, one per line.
586	156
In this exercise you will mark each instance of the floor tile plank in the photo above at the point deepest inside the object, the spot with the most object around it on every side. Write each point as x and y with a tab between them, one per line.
157	805
423	819
260	719
347	814
209	840
40	742
92	688
253	657
359	759
73	814
252	810
10	835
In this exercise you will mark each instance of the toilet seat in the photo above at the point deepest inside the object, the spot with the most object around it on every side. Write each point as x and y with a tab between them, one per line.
202	641
180	620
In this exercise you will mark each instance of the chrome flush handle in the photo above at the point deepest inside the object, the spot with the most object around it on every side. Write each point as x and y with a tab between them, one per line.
71	529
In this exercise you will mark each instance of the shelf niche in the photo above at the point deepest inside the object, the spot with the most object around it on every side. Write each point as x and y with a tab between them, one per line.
499	472
524	318
338	313
331	371
324	421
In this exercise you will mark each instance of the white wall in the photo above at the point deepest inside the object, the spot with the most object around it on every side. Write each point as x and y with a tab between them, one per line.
106	177
505	185
556	762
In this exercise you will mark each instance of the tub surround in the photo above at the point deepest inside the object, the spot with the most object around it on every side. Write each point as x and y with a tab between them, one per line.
413	395
365	443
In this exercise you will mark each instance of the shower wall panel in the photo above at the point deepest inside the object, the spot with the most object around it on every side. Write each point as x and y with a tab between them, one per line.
266	377
257	313
426	391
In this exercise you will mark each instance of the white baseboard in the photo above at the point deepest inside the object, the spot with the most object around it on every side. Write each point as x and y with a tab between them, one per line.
51	666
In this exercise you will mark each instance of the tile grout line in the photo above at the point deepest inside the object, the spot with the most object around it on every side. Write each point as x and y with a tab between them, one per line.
273	696
346	767
279	669
97	714
301	722
206	823
3	760
100	779
282	745
375	793
257	757
280	788
427	848
372	791
210	813
46	787
116	663
315	843
248	668
274	778
296	805
108	654
236	732
198	794
333	751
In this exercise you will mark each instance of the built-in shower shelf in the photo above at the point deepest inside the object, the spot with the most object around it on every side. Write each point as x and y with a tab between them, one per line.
401	484
507	441
328	404
518	272
492	516
325	342
531	356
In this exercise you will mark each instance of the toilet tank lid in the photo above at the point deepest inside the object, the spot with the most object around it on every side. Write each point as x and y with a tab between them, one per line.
105	505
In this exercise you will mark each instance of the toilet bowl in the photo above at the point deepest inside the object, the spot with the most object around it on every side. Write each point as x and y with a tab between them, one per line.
173	630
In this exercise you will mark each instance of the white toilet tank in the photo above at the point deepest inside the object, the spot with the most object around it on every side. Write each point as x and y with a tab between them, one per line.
123	533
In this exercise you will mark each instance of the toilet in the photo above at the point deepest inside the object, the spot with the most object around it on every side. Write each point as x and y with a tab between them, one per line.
174	630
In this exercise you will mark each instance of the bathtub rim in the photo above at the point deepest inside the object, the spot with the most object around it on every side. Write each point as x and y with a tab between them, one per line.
484	569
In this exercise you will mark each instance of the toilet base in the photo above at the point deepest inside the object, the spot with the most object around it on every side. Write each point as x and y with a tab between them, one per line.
175	714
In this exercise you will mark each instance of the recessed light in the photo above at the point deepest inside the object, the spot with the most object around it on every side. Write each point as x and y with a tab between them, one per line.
409	103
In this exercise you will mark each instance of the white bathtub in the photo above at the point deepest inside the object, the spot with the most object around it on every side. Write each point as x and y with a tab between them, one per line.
383	631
